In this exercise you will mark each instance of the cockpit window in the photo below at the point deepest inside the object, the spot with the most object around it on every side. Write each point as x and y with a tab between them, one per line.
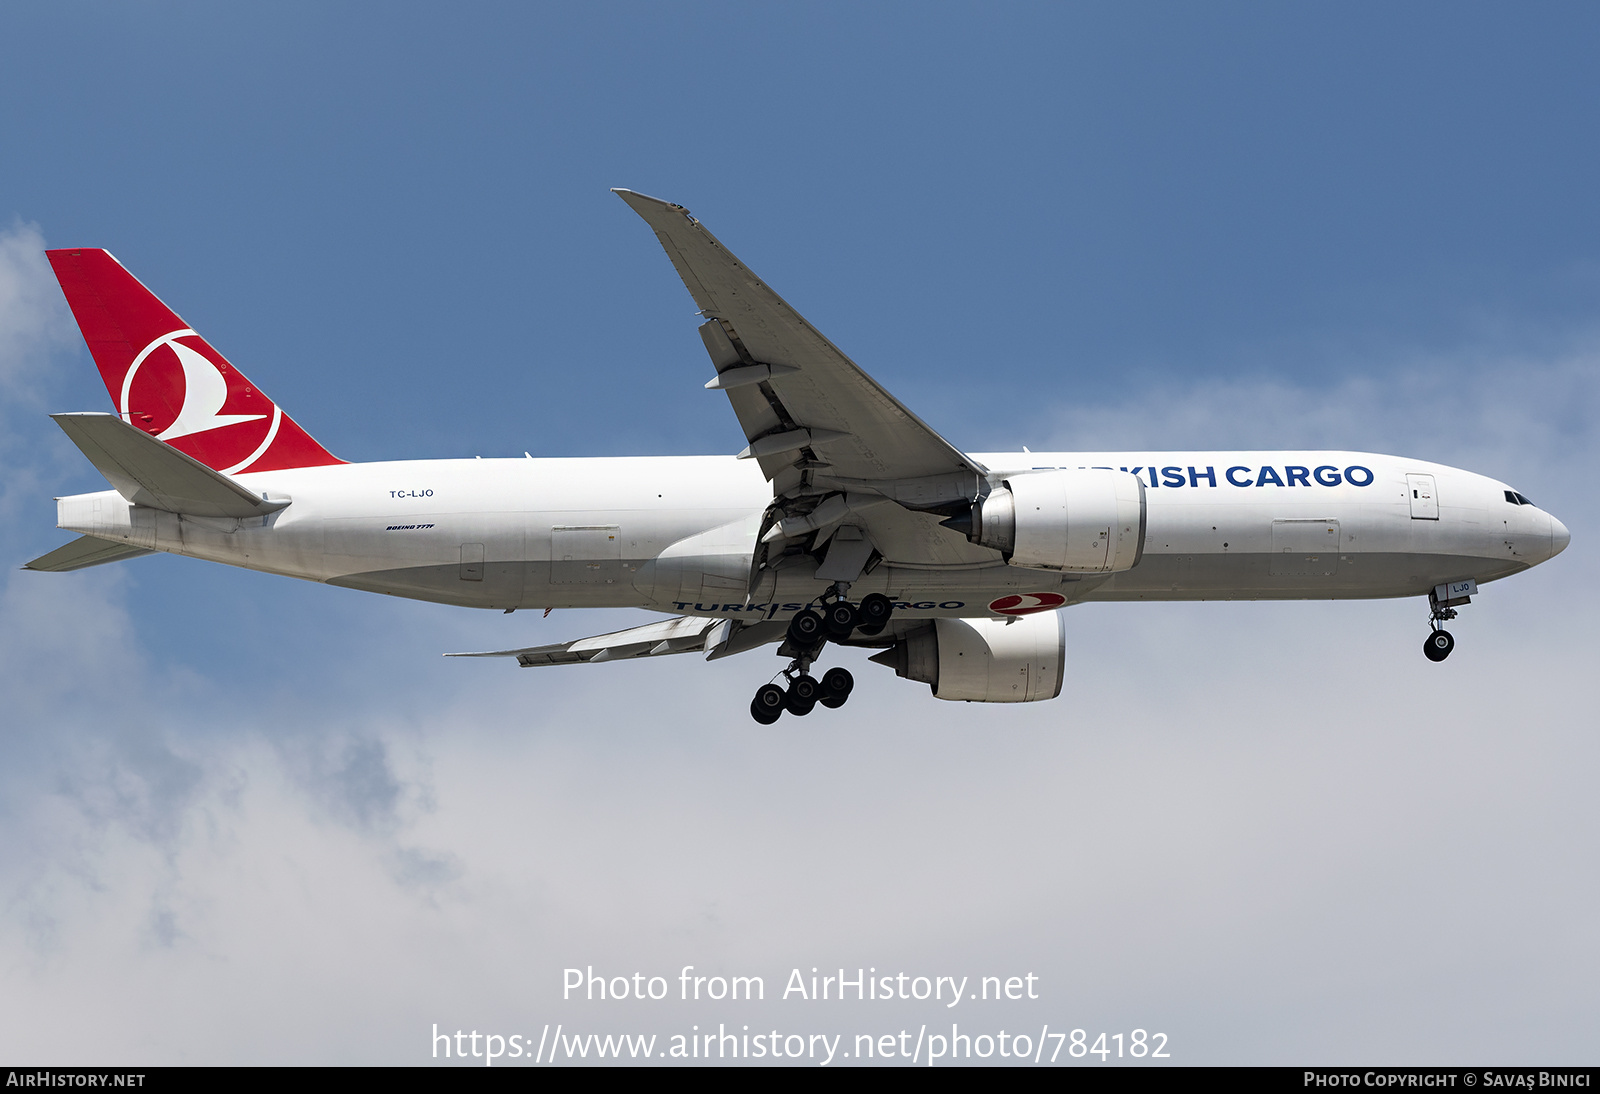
1516	499
1521	500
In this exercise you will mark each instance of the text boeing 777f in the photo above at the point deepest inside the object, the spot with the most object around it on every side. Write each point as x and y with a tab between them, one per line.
845	519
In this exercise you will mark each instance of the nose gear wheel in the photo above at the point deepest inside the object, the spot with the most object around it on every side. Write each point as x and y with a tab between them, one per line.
1438	645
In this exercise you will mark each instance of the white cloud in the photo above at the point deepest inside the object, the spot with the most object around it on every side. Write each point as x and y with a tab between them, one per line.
34	320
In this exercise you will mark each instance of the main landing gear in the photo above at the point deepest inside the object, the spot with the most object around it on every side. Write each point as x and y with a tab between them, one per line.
802	695
809	631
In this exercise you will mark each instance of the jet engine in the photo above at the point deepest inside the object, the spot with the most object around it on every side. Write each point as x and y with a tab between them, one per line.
1088	520
1017	660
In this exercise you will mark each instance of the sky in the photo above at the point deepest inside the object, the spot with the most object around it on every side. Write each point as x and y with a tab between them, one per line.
253	820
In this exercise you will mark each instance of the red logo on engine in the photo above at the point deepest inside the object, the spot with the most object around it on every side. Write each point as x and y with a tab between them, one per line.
1026	603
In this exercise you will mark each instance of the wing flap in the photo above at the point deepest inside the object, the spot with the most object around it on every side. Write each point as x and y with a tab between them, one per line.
685	634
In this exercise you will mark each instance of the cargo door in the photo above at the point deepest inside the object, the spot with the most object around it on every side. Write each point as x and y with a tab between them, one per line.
586	555
1424	498
471	562
1305	548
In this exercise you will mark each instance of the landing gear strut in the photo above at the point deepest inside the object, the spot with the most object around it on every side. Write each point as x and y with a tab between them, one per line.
809	631
1439	643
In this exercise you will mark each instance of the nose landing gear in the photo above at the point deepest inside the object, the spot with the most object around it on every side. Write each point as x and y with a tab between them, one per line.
1441	604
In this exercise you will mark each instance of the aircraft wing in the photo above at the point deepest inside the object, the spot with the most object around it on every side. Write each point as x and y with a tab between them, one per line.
685	634
824	432
784	378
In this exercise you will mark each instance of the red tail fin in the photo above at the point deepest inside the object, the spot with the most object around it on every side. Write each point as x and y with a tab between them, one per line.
168	381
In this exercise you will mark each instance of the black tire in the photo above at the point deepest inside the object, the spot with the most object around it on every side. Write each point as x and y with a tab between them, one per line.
1438	645
875	612
841	619
805	688
833	702
770	699
762	715
806	629
837	684
798	706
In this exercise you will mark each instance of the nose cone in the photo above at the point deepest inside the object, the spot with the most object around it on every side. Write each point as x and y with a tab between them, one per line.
1559	537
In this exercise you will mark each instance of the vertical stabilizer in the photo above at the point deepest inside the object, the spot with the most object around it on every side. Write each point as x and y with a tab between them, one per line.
168	381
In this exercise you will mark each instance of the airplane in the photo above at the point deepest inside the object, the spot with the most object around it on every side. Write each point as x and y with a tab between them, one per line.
845	520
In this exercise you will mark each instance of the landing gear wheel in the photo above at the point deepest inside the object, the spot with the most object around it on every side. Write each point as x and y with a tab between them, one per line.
804	691
841	619
836	687
874	612
805	629
1438	645
768	704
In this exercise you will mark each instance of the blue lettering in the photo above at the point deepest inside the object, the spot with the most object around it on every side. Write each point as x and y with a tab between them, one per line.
923	605
703	608
901	606
1266	475
681	605
1298	475
1235	481
1209	474
1331	479
1350	476
1172	476
954	604
792	607
1153	481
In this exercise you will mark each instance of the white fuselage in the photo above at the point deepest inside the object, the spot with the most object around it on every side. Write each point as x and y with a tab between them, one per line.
675	534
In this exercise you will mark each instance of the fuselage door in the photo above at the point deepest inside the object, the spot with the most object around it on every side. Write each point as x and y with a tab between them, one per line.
472	562
586	555
1424	498
1305	548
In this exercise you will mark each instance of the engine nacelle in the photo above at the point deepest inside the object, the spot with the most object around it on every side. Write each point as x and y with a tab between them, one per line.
1018	660
1087	521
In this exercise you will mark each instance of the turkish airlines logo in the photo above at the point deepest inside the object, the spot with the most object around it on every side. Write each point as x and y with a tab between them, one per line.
1026	603
177	391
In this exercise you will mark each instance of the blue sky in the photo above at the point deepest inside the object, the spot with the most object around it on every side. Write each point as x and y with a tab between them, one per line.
1101	225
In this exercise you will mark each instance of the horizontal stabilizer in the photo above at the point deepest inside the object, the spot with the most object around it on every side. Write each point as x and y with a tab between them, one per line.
83	552
685	634
149	472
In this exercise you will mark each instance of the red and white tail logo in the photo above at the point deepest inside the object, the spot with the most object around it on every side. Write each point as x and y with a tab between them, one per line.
168	381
